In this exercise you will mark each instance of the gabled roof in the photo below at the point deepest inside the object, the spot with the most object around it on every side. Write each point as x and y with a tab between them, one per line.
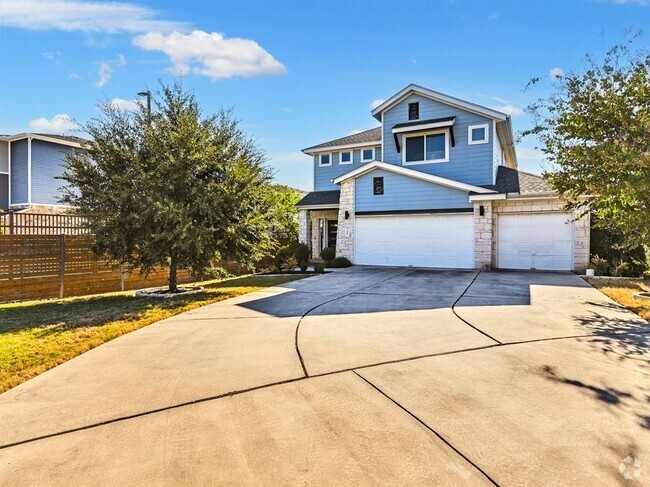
69	140
321	198
440	97
367	137
513	181
450	183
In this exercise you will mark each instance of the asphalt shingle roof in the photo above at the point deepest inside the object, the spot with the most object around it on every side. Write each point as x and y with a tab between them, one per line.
372	135
320	198
69	138
515	181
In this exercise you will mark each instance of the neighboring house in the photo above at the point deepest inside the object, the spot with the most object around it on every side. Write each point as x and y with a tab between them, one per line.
437	185
29	167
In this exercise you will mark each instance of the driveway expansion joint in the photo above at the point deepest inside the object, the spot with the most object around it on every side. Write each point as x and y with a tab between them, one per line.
429	428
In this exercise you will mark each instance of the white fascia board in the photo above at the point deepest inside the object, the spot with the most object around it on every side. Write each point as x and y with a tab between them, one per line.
317	149
317	207
487	197
450	183
417	128
440	97
45	139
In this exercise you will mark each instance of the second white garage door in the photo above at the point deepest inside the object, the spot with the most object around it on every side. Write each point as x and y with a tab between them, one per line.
535	241
415	240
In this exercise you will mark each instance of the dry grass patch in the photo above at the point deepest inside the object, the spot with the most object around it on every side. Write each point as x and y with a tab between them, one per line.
622	291
38	335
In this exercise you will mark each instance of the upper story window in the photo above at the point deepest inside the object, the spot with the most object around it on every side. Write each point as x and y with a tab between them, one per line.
478	134
324	159
346	158
414	111
367	155
424	148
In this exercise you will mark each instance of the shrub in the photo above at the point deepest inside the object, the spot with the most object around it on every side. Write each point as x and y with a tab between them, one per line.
609	243
622	269
328	254
212	272
290	263
340	262
319	267
301	253
600	266
281	256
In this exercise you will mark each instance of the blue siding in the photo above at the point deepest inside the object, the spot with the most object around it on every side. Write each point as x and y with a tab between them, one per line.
19	172
323	175
405	193
4	191
48	163
473	164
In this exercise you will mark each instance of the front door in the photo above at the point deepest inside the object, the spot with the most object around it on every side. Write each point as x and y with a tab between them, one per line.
332	228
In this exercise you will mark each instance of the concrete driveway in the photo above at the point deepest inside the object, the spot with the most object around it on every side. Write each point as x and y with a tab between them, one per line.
366	376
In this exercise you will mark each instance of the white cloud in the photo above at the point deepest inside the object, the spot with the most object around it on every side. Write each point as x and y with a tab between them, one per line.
106	69
494	16
556	73
58	124
128	105
376	103
84	16
211	54
513	110
74	75
51	55
528	155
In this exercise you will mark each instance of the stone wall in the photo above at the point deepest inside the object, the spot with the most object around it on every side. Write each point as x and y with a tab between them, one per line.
483	235
345	235
303	226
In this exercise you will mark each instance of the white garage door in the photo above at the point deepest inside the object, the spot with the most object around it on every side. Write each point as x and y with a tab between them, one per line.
535	241
417	240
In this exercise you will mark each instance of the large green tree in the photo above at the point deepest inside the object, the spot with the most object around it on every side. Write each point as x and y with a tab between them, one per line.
172	187
595	130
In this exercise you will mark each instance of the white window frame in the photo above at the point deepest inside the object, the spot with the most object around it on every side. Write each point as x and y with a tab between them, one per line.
410	135
485	140
371	158
341	163
320	164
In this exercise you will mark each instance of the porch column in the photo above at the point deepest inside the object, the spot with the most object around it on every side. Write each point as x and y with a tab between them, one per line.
483	235
345	235
303	218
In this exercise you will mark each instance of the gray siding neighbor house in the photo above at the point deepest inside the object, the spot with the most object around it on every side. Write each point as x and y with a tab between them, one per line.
437	185
30	165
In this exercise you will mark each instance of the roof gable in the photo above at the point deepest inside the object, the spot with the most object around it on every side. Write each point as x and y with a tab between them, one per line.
450	183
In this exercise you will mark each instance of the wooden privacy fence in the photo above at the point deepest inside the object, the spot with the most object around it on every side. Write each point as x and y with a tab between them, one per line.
56	266
12	223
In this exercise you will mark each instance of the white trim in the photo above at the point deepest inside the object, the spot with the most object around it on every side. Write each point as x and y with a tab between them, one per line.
44	138
372	158
425	134
9	167
318	207
4	172
29	170
485	127
50	204
382	136
320	149
440	97
320	164
487	197
533	196
404	171
351	152
433	125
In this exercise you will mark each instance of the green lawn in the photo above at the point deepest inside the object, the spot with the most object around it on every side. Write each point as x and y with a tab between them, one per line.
38	335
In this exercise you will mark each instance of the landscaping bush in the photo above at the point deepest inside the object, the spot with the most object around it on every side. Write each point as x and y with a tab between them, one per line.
328	254
608	244
301	253
290	263
600	266
320	268
622	269
212	272
340	262
281	256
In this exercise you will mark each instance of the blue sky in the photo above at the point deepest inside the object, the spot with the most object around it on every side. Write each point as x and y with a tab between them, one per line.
296	72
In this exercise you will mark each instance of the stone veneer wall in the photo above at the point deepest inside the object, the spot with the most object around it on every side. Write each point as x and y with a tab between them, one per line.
581	226
345	235
483	235
303	227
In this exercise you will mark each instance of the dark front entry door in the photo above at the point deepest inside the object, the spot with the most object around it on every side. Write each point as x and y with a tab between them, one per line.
332	228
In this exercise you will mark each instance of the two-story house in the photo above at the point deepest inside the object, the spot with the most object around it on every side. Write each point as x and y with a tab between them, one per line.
437	185
30	165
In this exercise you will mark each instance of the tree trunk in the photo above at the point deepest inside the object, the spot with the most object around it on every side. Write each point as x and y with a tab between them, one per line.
173	284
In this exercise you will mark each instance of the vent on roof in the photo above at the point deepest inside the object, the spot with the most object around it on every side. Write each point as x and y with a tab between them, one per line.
414	111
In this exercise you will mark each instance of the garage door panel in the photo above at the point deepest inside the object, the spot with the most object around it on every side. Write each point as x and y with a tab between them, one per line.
416	240
535	241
